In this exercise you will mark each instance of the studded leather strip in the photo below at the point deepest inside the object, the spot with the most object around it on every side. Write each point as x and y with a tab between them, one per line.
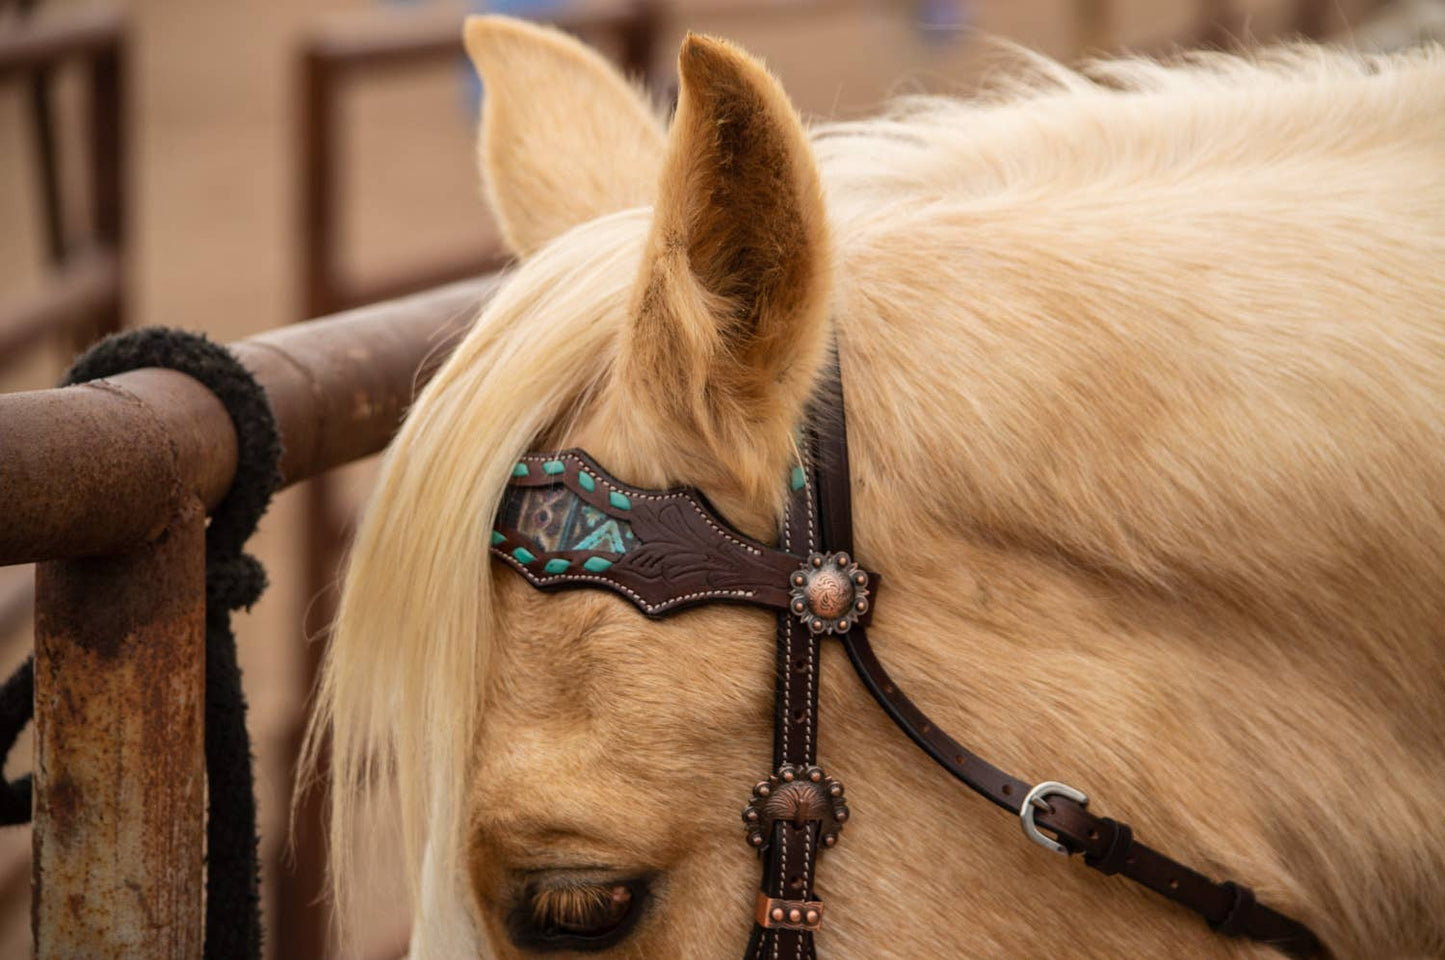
790	857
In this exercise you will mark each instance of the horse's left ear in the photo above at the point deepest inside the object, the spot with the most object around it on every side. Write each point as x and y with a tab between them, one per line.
731	310
564	137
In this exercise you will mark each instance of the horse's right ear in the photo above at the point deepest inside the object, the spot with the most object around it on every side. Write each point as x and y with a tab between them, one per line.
565	138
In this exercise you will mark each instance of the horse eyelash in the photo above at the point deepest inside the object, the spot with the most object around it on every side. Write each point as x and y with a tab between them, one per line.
574	903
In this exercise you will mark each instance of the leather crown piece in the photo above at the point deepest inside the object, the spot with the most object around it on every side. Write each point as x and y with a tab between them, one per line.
566	523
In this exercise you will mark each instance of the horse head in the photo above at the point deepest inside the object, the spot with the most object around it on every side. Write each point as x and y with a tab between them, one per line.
1111	461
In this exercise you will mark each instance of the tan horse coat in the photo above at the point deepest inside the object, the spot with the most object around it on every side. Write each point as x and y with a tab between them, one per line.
1145	376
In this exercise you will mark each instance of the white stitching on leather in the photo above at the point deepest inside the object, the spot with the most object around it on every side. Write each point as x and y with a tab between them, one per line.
812	645
806	892
788	635
605	581
783	874
632	493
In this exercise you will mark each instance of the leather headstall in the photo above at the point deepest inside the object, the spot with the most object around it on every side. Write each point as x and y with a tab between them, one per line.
566	523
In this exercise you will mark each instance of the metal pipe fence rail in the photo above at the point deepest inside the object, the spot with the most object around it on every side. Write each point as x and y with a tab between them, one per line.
106	486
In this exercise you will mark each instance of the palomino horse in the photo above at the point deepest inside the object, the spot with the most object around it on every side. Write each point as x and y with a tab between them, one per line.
1145	373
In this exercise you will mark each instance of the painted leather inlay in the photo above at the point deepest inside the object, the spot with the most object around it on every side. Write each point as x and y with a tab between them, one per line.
564	522
558	520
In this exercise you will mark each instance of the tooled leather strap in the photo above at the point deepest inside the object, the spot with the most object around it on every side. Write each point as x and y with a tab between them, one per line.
1108	845
787	911
566	523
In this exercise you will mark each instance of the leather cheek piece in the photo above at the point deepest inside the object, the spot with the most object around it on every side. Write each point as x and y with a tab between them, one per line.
1120	842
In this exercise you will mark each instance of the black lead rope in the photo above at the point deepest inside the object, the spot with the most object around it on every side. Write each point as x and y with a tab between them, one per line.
234	579
17	702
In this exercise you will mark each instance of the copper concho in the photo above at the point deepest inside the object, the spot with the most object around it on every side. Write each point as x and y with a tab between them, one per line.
829	593
798	795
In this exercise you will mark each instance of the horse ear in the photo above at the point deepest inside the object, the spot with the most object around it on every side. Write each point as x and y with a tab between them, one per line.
731	310
564	138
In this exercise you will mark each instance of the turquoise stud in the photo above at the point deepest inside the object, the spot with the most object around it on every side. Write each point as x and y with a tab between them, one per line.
498	539
619	501
596	564
585	481
553	467
520	470
798	479
557	566
523	555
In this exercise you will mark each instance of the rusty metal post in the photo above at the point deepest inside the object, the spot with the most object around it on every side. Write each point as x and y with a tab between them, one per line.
317	137
1312	18
1221	28
119	760
639	33
108	171
300	890
94	471
42	119
1096	28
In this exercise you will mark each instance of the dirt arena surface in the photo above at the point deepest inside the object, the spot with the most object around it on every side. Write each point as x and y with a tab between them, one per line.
214	246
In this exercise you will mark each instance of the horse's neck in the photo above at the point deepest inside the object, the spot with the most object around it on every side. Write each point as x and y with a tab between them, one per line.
1163	465
1176	386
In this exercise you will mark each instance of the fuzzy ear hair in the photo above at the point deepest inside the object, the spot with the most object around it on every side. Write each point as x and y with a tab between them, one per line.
564	138
730	313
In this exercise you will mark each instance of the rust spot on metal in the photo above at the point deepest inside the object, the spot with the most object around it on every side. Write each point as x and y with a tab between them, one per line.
65	803
120	593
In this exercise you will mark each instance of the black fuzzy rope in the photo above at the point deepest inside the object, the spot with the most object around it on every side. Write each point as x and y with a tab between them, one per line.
17	700
234	580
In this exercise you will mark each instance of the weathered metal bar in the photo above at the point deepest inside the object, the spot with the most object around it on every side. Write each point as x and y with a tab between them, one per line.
339	386
108	170
119	759
99	468
47	160
347	293
387	40
299	885
317	139
17	600
45	39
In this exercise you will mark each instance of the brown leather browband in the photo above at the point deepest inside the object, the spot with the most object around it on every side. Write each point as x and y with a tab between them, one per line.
566	523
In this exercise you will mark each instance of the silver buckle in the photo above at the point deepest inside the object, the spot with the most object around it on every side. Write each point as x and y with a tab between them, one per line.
1034	800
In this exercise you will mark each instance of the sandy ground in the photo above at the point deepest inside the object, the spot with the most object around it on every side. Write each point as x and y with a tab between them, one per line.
213	194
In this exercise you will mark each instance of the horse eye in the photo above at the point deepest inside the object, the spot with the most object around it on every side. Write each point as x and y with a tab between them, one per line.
576	914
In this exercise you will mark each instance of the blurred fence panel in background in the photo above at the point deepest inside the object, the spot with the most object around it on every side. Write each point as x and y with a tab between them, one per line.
81	297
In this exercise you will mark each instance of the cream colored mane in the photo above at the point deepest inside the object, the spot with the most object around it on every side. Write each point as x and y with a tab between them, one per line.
1145	374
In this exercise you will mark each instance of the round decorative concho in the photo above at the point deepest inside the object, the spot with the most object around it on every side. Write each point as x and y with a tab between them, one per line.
796	794
828	593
